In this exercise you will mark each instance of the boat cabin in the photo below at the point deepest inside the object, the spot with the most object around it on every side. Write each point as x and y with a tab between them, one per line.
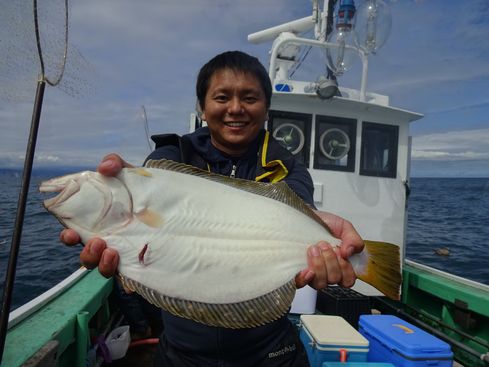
358	154
355	145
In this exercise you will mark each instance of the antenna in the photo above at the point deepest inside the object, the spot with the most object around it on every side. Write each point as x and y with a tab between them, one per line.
146	128
296	26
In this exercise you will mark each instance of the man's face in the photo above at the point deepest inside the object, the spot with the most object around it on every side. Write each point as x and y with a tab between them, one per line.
235	110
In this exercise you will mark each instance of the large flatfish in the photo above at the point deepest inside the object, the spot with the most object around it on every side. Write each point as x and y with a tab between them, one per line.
217	250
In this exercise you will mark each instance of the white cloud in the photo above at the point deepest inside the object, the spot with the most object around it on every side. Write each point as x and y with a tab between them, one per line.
452	145
148	53
431	59
434	74
47	158
433	155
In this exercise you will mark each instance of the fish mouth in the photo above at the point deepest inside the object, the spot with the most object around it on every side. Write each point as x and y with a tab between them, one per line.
65	189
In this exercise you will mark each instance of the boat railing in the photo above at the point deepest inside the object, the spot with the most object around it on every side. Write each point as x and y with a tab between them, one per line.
456	278
37	303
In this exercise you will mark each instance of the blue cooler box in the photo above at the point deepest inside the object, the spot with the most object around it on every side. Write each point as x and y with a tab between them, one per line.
402	344
325	338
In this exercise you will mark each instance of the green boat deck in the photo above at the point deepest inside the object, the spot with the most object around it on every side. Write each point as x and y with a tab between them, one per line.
65	319
453	307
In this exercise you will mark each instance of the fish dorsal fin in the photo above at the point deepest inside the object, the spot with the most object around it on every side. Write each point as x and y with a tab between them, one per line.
279	191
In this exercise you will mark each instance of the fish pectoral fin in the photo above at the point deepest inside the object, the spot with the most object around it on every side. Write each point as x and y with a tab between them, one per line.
150	218
140	171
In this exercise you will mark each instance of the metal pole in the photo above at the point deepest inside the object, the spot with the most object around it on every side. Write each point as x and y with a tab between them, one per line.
305	41
19	219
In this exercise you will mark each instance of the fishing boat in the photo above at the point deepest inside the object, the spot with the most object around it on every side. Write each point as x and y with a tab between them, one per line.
357	148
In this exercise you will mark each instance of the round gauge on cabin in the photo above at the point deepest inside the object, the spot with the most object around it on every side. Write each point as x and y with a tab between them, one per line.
334	143
290	136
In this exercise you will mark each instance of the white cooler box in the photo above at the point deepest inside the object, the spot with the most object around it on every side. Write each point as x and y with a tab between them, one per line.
328	338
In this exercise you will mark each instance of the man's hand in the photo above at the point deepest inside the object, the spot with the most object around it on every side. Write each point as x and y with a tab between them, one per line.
96	253
329	265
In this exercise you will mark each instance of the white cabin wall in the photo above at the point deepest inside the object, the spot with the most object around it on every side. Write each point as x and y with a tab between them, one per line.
375	205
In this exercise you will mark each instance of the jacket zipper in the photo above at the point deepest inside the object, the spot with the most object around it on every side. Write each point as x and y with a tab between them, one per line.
233	172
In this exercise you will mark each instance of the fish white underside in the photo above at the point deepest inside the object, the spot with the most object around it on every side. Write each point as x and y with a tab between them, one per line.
242	244
206	247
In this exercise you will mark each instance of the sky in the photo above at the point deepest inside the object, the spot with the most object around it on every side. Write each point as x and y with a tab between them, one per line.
125	54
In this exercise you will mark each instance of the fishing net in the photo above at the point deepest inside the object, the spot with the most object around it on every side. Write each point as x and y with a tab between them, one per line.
34	49
24	60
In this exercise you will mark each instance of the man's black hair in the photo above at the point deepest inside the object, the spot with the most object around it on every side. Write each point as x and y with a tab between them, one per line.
236	61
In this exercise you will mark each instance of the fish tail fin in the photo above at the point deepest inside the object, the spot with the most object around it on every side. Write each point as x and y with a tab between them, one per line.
383	268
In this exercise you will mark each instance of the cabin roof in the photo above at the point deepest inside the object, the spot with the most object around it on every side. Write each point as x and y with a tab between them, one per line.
375	105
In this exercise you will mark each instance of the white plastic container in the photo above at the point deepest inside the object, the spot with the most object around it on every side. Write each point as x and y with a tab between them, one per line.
118	341
304	301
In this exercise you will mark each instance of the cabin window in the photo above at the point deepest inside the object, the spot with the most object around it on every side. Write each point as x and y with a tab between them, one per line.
379	150
335	143
293	131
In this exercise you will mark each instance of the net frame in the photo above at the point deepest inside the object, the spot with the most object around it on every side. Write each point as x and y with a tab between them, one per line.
39	47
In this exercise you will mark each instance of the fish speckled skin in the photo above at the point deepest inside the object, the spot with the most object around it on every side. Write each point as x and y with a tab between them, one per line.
184	234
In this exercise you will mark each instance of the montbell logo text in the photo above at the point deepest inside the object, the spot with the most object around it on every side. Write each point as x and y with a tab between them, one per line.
281	352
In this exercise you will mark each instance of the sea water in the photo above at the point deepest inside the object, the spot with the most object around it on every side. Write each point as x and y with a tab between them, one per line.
451	214
443	213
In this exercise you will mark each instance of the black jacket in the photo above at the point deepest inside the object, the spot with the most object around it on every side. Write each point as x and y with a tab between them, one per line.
258	163
203	345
